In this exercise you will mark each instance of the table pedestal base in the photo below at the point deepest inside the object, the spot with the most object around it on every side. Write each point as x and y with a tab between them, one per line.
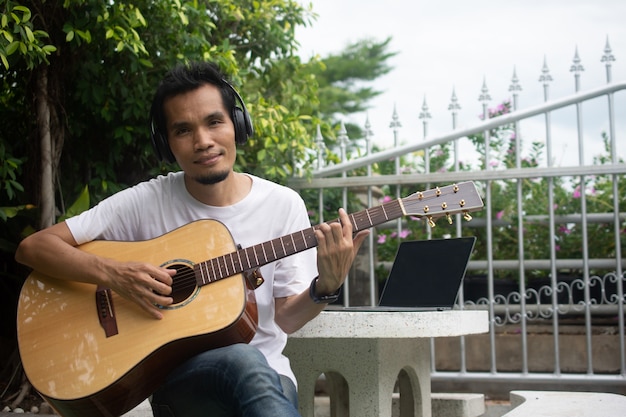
361	374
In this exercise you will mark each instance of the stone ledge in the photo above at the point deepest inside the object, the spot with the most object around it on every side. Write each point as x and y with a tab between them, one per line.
457	404
566	404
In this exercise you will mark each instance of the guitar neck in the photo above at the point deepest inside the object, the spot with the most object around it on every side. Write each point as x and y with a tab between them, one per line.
434	203
258	255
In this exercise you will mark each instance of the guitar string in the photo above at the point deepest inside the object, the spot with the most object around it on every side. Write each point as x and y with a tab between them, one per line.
187	278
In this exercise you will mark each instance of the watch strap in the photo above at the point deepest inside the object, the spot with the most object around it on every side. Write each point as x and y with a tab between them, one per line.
322	299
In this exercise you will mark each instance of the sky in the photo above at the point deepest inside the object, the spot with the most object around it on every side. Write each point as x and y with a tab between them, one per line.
456	45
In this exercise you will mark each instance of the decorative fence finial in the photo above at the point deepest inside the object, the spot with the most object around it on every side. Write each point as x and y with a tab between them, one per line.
545	77
515	86
484	93
607	59
454	103
424	114
454	107
395	120
576	66
321	147
343	141
368	128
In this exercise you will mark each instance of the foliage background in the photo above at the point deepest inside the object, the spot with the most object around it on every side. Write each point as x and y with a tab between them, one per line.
76	82
597	191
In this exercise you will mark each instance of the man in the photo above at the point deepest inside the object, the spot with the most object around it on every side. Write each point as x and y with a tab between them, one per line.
198	119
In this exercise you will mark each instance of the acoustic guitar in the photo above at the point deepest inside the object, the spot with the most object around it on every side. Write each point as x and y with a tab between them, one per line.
90	352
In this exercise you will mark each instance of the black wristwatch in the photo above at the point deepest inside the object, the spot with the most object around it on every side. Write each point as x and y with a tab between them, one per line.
322	299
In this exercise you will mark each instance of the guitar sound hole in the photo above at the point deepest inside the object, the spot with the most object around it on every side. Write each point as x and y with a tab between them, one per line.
184	282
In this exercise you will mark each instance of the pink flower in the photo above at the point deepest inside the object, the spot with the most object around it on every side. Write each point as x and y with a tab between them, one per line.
499	214
404	233
565	230
386	199
576	193
382	239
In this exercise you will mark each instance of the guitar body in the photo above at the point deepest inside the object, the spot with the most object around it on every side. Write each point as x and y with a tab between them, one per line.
82	371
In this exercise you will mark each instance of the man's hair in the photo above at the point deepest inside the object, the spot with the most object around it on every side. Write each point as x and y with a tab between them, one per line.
184	78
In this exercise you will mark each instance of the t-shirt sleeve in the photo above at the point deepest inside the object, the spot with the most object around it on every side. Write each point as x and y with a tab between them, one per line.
294	273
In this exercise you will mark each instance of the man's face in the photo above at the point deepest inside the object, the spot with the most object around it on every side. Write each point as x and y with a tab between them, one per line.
201	134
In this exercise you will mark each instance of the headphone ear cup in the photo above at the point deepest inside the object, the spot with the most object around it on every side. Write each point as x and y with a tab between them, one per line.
160	145
242	123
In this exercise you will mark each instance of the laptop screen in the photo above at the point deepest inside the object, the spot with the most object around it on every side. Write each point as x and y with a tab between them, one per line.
427	273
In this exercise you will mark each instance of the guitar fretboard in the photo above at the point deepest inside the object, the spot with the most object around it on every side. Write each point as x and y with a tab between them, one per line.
254	256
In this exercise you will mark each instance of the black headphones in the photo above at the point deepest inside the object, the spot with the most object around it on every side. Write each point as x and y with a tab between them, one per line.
239	115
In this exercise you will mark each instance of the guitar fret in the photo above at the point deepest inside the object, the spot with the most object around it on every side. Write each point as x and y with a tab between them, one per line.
273	249
264	253
312	237
220	264
240	261
282	243
212	269
247	259
200	273
255	256
384	212
203	272
232	262
304	239
225	263
293	243
354	222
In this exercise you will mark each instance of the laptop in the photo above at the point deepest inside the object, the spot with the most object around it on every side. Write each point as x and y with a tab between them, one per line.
426	276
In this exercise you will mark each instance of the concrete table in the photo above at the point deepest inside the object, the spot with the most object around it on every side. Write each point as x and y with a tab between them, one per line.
364	353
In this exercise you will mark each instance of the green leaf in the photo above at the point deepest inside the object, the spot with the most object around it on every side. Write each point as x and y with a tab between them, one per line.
81	204
29	34
69	36
25	10
48	49
12	48
5	62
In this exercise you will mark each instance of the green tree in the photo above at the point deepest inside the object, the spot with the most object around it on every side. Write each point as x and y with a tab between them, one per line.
345	80
77	80
91	96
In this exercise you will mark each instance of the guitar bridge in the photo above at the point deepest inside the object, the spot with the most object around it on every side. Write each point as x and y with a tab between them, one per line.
106	312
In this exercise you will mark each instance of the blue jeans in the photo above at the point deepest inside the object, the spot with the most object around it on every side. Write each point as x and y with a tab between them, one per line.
229	381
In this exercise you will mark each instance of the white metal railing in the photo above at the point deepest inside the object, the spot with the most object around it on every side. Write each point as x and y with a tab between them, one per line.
599	288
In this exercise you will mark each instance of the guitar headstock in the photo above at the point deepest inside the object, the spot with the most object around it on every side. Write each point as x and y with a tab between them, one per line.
443	202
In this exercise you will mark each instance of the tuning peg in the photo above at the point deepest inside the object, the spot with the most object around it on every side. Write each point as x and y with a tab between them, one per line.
467	216
431	222
449	218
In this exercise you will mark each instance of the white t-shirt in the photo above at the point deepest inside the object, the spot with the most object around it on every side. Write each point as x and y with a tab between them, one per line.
153	208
